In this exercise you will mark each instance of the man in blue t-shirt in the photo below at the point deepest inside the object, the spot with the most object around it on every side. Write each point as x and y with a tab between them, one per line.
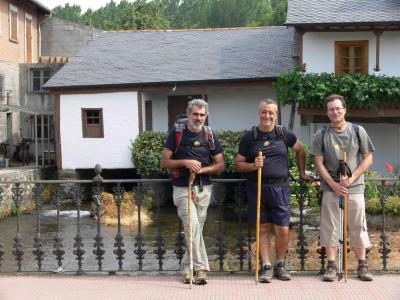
273	141
193	148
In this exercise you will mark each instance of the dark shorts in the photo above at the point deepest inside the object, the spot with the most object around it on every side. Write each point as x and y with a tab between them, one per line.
275	204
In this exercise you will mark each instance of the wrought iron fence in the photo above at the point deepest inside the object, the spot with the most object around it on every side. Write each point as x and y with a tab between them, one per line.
231	189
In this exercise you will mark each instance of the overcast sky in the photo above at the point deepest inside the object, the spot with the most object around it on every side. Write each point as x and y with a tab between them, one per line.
84	4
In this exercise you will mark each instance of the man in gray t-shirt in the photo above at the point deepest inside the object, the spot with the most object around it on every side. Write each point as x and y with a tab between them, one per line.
330	145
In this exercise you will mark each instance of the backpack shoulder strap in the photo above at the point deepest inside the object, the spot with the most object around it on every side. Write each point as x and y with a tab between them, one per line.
280	133
357	131
323	131
254	132
179	128
209	137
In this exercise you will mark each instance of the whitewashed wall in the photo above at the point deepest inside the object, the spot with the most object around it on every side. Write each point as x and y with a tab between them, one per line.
120	116
319	50
231	108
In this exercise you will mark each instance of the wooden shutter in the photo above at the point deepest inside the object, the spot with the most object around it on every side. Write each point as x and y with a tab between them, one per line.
351	57
13	25
28	38
92	123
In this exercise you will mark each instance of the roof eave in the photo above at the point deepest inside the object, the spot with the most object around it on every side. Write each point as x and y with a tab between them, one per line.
149	84
43	9
305	25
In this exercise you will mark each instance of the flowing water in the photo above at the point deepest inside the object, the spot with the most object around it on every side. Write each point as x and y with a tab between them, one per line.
169	226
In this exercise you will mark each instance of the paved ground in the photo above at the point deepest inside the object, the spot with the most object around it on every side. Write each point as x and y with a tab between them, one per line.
305	287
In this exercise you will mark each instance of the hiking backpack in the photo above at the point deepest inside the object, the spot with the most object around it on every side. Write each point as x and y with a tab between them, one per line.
180	124
278	131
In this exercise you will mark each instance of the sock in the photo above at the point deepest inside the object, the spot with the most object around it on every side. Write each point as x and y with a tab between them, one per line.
362	262
279	263
331	263
267	264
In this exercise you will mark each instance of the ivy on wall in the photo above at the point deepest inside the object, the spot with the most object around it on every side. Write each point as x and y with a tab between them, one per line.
359	90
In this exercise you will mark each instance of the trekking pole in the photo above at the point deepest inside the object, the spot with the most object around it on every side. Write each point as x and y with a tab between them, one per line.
342	266
191	180
345	218
258	218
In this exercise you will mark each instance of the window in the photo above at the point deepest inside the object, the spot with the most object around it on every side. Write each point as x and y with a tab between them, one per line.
46	121
92	122
39	78
13	19
351	57
148	109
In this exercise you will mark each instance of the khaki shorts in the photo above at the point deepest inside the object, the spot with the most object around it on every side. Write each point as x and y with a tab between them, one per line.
357	223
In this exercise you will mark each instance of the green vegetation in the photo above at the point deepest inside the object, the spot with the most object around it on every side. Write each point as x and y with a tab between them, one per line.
177	14
360	91
147	148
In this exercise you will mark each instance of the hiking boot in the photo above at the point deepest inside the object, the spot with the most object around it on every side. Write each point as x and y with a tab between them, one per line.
363	273
330	273
186	278
201	277
281	273
266	274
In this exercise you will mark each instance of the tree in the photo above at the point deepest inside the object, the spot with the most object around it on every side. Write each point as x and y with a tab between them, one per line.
163	14
68	12
279	8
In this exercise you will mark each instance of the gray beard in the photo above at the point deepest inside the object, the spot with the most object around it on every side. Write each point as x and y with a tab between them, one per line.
196	125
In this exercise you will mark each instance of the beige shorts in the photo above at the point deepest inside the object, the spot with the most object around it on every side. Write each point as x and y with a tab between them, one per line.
357	223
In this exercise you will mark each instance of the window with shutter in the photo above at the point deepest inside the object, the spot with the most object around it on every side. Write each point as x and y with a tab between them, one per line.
92	123
351	57
13	23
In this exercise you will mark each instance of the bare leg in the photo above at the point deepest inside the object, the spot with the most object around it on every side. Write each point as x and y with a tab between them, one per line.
264	243
281	241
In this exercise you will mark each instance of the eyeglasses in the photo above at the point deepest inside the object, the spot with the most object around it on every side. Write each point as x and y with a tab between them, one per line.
335	109
198	114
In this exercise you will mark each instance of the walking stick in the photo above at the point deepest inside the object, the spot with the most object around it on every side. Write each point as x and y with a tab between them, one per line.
343	226
345	211
191	180
258	218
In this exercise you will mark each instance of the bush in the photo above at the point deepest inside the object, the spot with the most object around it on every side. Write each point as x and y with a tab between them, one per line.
230	145
128	209
373	206
47	193
147	149
146	152
392	206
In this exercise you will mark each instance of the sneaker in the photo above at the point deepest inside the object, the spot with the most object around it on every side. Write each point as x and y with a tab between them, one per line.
281	273
266	274
186	278
363	273
330	273
201	277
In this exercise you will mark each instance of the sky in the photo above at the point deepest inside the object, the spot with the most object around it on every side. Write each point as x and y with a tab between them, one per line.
84	4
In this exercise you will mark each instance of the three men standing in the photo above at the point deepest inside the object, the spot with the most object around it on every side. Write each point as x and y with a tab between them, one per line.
194	148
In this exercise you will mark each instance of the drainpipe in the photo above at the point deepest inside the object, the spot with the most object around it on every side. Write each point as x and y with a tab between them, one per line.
40	33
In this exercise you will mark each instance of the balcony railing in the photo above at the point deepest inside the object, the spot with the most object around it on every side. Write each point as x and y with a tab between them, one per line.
51	242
